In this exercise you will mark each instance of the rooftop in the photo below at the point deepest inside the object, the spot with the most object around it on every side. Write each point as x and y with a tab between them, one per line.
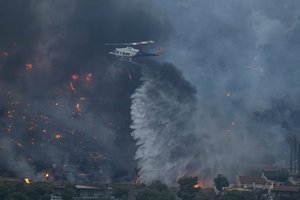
87	187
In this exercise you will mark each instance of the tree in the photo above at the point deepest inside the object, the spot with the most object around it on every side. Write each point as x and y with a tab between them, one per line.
45	197
236	195
16	196
206	194
153	194
37	190
158	185
7	188
120	193
220	182
187	189
69	192
155	191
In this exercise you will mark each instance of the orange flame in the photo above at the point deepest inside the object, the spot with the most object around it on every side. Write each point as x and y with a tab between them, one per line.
46	175
58	136
197	186
27	180
77	106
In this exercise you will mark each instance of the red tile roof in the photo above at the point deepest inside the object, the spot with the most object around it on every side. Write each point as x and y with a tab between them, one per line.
252	179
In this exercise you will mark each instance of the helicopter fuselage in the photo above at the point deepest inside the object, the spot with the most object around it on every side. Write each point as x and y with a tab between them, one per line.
127	52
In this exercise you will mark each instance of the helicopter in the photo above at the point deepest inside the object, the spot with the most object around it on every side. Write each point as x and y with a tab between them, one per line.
129	53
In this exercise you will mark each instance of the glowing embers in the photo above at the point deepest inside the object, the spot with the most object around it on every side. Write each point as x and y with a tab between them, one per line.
197	186
46	175
89	77
74	76
58	136
10	113
77	107
28	66
27	180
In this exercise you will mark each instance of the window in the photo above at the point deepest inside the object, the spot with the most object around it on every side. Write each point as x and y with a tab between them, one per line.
90	193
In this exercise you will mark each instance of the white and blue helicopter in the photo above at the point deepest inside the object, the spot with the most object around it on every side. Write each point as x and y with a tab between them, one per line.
129	53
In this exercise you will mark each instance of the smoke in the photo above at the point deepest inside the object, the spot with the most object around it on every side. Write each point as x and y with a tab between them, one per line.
65	103
240	56
243	59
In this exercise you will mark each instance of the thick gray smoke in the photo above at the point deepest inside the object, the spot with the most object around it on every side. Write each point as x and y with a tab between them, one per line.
65	103
242	56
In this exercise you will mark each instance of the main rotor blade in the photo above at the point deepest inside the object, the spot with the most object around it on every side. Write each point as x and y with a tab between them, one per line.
133	43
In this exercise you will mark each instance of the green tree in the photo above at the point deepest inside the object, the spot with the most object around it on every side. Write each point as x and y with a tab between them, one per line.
220	182
206	194
37	190
69	192
120	193
236	195
155	191
7	188
187	189
45	197
158	185
153	194
17	196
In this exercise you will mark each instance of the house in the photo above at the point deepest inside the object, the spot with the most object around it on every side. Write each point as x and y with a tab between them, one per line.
252	182
283	191
276	175
92	192
87	191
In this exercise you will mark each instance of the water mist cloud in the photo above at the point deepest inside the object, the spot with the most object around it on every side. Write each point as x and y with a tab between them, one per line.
161	109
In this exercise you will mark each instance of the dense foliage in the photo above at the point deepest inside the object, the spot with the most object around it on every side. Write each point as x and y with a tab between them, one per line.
187	189
220	182
155	191
235	195
17	190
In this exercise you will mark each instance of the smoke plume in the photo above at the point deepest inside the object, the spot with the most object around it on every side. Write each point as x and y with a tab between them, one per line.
65	103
